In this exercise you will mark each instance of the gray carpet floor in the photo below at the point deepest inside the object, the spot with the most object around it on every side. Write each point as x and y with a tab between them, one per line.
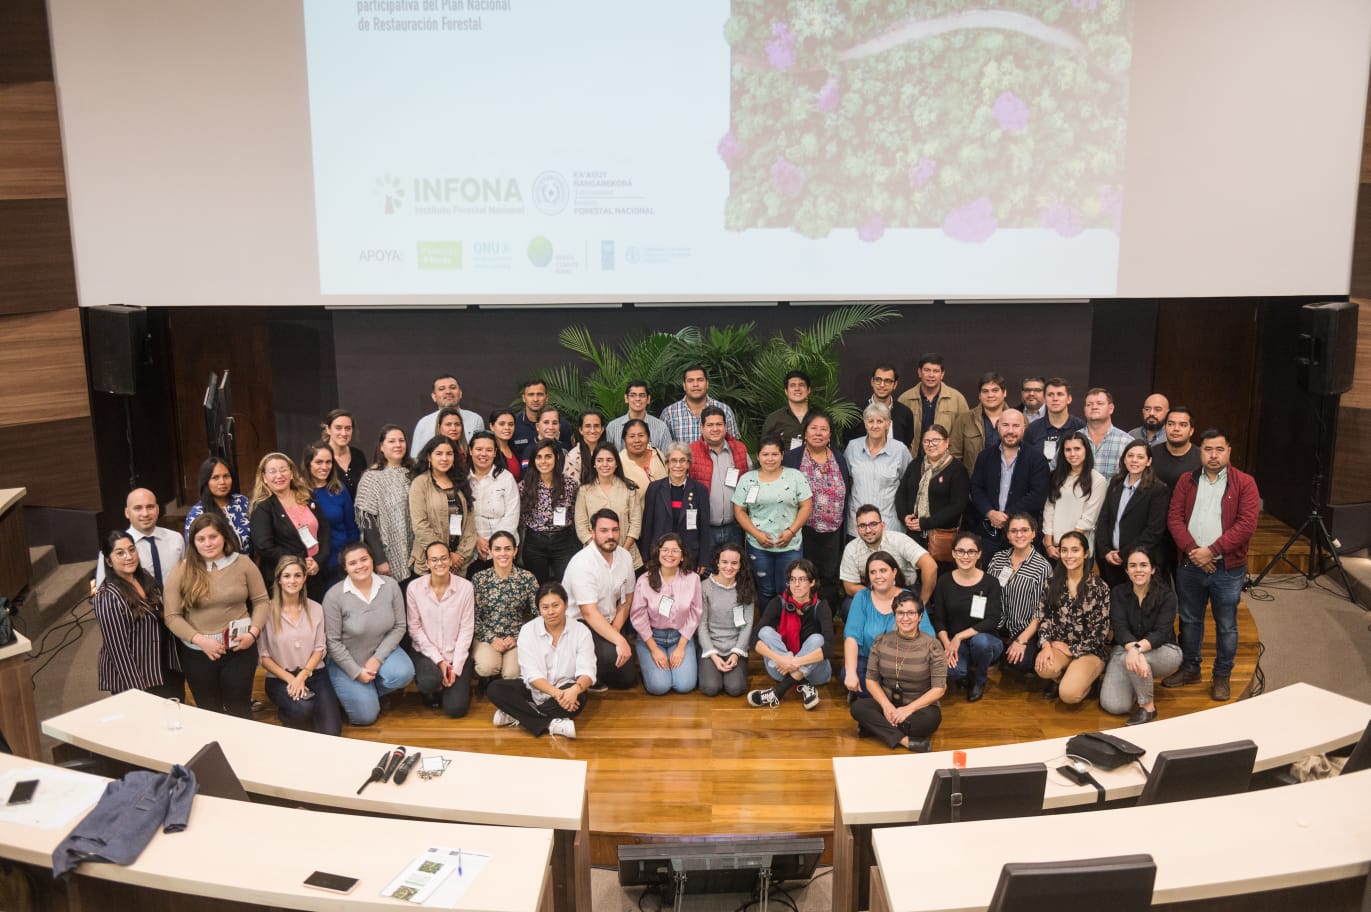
1310	632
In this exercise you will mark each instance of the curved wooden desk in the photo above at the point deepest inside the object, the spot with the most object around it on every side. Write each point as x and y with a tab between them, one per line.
325	771
881	791
1272	839
277	848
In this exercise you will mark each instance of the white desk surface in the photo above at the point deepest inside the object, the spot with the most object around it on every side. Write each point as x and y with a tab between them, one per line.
20	646
11	496
1264	840
1286	724
280	847
324	770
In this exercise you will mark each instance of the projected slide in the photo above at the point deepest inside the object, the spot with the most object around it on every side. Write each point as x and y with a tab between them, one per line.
758	149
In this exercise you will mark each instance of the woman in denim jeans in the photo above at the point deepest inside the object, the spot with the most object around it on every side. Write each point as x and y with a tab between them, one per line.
793	639
665	612
772	503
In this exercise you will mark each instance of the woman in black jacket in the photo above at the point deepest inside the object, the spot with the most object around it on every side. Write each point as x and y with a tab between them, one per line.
1143	521
1143	614
934	491
286	519
680	504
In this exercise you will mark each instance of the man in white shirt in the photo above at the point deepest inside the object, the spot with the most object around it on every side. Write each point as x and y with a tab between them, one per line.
872	536
447	393
599	582
158	549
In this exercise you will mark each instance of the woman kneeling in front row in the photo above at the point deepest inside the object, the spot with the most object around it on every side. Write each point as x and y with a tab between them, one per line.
906	675
1143	612
557	666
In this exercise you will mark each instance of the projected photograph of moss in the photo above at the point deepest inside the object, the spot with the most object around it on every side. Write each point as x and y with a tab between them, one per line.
945	114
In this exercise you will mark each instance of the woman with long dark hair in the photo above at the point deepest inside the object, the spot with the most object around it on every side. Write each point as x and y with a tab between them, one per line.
494	497
440	507
665	612
451	426
772	503
590	430
1075	493
1074	631
1133	514
504	603
643	463
216	604
1142	612
830	480
501	423
217	495
610	488
382	503
334	501
348	461
136	650
547	499
793	638
729	601
286	519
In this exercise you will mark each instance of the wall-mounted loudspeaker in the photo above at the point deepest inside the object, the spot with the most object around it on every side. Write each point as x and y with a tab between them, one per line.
1328	347
116	337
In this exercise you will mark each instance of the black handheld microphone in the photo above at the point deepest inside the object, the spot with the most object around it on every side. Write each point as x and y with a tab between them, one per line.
396	756
378	772
402	773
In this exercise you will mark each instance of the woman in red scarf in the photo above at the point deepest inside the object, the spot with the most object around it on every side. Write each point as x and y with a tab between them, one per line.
795	633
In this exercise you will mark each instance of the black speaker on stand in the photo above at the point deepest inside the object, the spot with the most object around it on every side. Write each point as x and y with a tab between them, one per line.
1326	364
117	339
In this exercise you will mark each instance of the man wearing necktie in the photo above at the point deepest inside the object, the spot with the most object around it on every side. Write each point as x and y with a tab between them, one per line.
158	549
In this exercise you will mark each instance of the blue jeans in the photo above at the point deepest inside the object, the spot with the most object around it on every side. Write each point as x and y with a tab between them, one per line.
1223	590
974	658
657	681
319	714
728	532
819	672
768	568
362	702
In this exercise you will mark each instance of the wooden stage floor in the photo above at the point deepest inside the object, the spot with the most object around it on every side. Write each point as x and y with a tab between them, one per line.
687	765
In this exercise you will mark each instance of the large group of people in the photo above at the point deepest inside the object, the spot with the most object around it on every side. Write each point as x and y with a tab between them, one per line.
539	560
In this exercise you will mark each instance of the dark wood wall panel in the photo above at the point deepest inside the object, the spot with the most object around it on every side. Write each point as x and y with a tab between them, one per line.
55	460
1206	358
25	53
36	271
44	367
30	142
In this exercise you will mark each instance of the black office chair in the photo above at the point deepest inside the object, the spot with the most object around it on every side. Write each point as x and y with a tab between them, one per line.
1122	883
1200	772
985	793
1360	758
213	774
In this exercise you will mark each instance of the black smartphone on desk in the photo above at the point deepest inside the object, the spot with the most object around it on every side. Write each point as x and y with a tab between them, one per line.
335	883
23	792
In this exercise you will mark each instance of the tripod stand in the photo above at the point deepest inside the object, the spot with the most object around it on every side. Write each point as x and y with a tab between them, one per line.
1320	539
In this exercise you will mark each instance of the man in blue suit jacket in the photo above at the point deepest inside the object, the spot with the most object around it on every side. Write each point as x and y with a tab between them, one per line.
994	496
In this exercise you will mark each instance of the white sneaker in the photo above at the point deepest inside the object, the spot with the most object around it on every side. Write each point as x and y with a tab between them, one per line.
809	694
504	719
564	727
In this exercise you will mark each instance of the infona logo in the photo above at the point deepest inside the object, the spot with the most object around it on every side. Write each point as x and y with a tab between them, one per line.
390	192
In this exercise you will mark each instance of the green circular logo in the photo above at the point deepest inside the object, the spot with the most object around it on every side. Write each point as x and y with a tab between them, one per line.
540	251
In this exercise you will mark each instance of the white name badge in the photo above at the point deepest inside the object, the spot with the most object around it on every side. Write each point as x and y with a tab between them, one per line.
739	618
306	536
1004	576
731	477
978	607
692	519
1050	450
454	525
665	605
559	516
796	442
752	494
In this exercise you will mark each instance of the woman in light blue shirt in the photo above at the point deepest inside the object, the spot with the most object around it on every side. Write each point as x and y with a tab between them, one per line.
772	503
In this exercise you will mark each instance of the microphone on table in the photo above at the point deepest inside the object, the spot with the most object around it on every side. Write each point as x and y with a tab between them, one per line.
402	773
378	772
396	756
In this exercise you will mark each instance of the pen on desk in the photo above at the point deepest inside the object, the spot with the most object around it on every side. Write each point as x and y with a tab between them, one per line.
459	862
